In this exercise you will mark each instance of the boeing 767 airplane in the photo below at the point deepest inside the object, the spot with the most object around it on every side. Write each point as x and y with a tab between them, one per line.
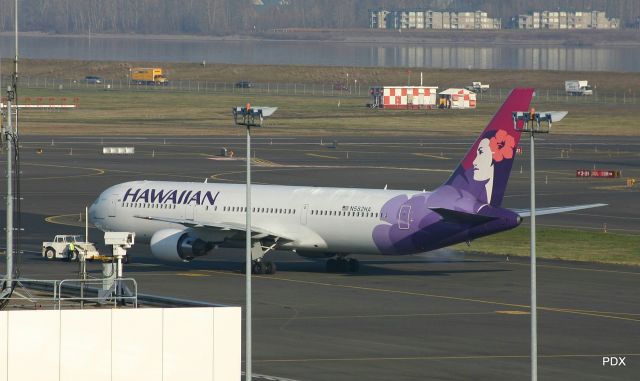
184	220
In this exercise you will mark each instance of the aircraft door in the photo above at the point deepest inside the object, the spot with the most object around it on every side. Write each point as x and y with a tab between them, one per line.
404	217
303	214
113	205
190	211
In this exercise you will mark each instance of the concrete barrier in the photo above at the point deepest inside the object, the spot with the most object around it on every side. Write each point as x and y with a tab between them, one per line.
121	344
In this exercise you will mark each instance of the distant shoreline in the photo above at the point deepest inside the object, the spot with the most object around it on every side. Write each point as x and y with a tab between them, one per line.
586	38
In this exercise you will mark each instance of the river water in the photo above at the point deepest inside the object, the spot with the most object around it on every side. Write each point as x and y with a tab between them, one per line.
476	56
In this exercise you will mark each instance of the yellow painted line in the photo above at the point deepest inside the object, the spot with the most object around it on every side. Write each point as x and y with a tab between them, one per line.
97	171
143	265
55	220
192	274
577	268
263	162
445	297
286	167
621	187
432	156
513	312
436	358
385	316
323	156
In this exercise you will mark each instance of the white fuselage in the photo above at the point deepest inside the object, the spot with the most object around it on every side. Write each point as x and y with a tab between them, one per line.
314	219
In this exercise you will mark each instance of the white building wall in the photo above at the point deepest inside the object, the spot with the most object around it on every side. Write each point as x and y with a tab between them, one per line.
121	344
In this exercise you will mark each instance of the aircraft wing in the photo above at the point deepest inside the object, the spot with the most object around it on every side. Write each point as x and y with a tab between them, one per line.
554	210
257	232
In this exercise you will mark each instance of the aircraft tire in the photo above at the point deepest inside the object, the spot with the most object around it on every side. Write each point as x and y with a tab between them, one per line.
343	265
258	268
332	265
354	265
270	268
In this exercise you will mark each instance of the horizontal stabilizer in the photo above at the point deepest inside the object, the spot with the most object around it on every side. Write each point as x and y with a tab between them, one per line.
457	216
556	209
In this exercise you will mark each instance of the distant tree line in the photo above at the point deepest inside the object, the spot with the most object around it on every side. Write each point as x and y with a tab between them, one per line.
223	17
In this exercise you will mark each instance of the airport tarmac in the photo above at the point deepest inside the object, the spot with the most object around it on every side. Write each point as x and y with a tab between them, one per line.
442	315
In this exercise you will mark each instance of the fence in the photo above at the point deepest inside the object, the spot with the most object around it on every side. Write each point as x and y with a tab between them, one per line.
342	90
75	293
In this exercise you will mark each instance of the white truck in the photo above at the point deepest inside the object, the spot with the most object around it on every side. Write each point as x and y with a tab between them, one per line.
59	248
478	87
576	87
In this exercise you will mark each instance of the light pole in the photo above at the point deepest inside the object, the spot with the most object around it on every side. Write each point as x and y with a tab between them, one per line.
534	123
9	136
249	117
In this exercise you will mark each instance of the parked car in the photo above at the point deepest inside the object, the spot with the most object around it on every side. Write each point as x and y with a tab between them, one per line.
244	85
340	87
92	80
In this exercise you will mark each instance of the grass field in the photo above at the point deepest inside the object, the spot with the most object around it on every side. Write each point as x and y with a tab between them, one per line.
162	111
565	244
131	112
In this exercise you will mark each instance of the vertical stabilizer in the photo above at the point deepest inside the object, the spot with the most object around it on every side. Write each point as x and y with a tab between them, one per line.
485	169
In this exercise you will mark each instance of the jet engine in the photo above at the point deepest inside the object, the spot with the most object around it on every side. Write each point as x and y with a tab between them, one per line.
177	245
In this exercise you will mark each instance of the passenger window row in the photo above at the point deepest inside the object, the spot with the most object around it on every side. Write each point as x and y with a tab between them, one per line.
339	213
144	205
243	209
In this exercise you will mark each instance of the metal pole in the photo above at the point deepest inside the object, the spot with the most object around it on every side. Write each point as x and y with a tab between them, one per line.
86	224
534	324
15	68
248	374
9	249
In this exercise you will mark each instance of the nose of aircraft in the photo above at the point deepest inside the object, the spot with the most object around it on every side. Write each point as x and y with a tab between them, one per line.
93	212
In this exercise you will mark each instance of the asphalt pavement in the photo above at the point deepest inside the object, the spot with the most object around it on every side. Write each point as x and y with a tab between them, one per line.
443	315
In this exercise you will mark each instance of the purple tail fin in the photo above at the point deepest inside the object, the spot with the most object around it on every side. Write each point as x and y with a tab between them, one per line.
485	169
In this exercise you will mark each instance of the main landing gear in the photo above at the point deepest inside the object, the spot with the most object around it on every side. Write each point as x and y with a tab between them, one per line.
343	265
258	265
263	267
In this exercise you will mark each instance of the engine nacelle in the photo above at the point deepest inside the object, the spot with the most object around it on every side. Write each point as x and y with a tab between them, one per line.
177	245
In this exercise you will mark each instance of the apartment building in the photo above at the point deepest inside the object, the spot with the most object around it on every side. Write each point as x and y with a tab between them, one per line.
567	20
427	19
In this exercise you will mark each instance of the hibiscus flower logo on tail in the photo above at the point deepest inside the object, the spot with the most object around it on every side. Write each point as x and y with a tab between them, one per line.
502	146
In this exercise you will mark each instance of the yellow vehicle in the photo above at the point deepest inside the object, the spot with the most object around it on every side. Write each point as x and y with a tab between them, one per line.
148	76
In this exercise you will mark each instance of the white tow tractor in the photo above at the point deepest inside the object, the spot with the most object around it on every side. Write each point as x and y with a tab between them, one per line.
59	248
